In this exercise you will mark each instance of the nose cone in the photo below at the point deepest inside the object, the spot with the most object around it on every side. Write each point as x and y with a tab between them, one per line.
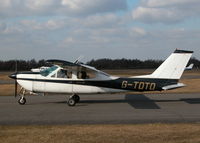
13	76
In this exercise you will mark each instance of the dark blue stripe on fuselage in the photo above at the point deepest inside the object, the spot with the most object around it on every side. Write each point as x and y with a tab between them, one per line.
135	84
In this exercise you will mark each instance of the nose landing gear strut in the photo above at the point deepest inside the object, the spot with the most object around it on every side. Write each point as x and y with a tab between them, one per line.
22	99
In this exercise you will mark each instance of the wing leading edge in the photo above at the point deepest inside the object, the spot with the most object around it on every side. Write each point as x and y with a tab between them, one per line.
64	64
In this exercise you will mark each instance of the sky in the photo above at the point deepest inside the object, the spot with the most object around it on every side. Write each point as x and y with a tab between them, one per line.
67	29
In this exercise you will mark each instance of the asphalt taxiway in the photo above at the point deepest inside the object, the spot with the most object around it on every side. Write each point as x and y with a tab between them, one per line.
101	109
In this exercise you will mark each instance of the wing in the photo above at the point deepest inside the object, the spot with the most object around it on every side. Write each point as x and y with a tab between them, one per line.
61	63
75	66
94	69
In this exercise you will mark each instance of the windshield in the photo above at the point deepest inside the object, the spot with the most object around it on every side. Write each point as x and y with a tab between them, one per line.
48	71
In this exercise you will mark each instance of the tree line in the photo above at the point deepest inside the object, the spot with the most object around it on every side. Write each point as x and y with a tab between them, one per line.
132	63
26	65
20	65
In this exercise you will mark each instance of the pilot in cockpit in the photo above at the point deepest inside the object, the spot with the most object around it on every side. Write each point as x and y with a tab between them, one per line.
62	74
82	75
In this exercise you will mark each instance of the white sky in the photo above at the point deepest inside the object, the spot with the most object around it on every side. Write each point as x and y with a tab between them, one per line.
66	29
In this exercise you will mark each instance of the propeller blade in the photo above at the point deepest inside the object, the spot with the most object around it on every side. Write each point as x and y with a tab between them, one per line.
16	70
16	66
15	87
14	76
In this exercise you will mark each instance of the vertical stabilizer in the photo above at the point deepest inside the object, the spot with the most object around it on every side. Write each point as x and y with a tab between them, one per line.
174	66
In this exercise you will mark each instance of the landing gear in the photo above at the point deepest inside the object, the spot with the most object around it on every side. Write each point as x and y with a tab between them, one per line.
73	100
22	100
76	98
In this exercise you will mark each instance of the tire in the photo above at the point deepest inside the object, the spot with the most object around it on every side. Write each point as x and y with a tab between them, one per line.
71	102
22	101
76	98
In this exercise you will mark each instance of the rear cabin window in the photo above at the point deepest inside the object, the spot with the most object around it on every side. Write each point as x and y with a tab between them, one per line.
85	75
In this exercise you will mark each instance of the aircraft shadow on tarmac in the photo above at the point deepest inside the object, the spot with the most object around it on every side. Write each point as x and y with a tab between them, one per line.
140	101
137	101
191	100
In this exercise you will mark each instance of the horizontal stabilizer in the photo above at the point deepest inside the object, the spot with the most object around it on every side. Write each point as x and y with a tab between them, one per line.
189	67
173	86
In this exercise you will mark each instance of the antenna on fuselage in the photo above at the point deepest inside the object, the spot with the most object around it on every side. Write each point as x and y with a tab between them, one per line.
78	59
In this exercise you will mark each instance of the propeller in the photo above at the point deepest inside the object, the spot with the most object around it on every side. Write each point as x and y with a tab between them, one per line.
14	76
16	88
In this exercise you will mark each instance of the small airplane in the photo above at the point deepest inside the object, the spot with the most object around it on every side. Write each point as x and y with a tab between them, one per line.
65	77
189	67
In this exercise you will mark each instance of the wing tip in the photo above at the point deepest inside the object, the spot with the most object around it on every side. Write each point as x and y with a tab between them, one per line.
183	51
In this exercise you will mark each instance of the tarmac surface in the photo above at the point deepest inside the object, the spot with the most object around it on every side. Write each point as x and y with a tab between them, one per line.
101	109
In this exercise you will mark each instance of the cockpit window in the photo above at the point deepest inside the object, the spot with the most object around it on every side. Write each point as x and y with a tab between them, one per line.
62	73
48	71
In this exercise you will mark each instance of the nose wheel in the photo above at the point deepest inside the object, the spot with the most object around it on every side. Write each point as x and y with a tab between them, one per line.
22	100
73	100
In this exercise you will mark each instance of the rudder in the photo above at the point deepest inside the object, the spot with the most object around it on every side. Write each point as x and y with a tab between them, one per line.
174	66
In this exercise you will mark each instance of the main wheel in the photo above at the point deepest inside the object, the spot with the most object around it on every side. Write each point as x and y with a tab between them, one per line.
22	101
76	98
71	102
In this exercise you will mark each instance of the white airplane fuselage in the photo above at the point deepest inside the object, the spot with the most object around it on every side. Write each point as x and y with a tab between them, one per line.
40	84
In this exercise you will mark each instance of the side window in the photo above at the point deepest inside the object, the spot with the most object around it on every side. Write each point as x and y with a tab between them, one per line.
64	74
91	75
69	74
61	74
82	75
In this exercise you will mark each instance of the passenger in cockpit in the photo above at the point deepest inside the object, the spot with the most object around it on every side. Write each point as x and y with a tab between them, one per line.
83	75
